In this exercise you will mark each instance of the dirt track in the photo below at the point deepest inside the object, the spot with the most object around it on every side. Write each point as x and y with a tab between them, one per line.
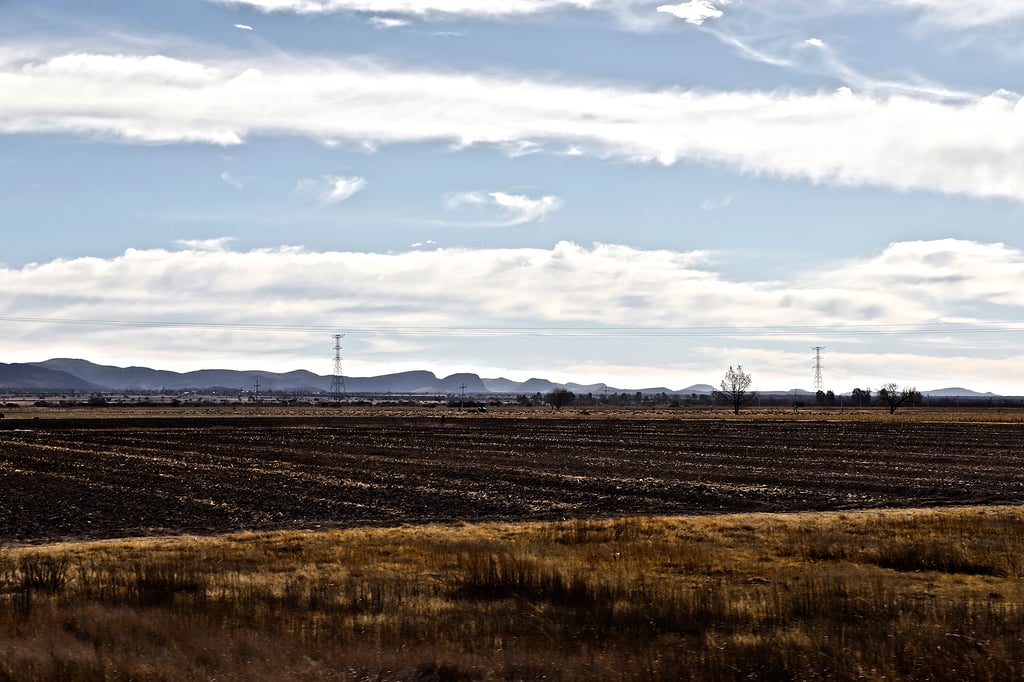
77	478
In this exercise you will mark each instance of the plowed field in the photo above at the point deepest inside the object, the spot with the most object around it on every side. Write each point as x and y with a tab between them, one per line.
78	478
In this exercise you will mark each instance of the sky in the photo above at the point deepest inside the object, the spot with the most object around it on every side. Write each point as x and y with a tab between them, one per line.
619	191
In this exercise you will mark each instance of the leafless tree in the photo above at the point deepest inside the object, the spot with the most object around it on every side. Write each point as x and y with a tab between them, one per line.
735	389
559	398
894	396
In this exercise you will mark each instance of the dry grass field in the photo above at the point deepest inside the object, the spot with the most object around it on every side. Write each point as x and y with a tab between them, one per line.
527	545
882	595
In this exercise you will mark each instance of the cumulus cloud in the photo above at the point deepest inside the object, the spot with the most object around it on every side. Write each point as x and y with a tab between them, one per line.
695	11
243	27
907	283
900	141
514	209
909	291
950	274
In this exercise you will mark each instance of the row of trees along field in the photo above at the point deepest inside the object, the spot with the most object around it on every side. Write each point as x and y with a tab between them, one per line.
734	391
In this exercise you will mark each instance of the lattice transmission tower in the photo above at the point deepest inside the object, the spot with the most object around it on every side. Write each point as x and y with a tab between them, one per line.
337	379
817	367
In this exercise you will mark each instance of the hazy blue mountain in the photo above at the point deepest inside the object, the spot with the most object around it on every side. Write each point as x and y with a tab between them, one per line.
594	389
535	385
697	388
29	377
299	380
146	379
456	382
502	385
81	375
75	374
956	392
130	378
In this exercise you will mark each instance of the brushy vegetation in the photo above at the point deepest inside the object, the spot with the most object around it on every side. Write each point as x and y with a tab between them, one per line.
913	595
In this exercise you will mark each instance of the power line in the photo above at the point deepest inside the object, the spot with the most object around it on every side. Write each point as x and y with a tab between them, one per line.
997	327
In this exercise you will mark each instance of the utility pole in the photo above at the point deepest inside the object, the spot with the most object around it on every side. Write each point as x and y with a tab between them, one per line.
462	401
337	379
817	367
257	386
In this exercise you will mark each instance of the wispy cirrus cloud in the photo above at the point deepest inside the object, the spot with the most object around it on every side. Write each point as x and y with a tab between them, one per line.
902	141
384	23
425	8
962	13
218	244
638	14
230	179
332	189
512	209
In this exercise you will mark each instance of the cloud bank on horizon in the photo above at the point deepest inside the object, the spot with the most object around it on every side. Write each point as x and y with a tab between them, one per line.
649	194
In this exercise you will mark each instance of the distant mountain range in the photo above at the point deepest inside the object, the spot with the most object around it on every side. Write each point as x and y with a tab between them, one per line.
64	374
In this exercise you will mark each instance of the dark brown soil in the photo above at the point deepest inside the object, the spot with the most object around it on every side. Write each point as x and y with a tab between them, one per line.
83	478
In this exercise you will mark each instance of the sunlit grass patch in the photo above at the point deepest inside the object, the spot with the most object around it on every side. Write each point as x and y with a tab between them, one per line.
915	594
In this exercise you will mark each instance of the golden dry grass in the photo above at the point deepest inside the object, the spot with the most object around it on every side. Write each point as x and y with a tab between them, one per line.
920	594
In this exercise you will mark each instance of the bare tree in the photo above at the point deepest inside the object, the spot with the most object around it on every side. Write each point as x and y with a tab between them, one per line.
894	396
735	389
559	398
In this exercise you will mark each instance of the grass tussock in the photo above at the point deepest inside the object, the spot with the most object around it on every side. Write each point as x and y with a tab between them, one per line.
935	595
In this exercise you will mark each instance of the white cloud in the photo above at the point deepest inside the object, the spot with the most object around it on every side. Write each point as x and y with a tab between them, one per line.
965	13
343	188
230	179
514	209
243	27
716	204
694	11
901	141
908	283
481	8
219	244
387	22
634	14
945	274
621	289
332	189
962	14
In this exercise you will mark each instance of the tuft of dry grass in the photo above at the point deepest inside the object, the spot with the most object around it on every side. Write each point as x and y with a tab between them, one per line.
893	595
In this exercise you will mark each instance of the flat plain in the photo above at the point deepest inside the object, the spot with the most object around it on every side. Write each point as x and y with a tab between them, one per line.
606	545
119	473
